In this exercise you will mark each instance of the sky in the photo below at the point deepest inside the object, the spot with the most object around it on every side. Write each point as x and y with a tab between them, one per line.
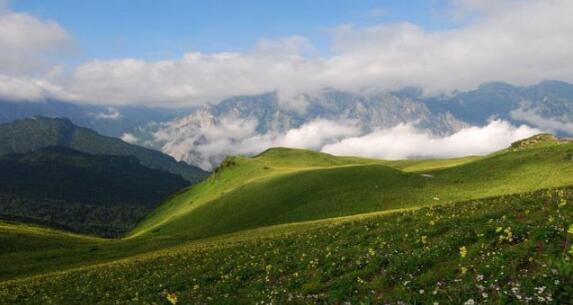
177	53
153	29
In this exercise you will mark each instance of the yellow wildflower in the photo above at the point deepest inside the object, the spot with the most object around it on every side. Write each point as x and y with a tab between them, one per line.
509	233
171	297
463	251
371	252
570	231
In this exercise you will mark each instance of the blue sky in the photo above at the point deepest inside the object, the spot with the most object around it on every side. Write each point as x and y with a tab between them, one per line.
158	29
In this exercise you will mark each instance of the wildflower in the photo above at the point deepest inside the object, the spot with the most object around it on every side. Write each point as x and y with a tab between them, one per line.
464	270
171	297
432	222
562	202
424	239
371	252
463	251
570	231
508	235
470	302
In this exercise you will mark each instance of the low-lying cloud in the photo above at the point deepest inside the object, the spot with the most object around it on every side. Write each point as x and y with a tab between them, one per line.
111	114
208	144
407	142
551	124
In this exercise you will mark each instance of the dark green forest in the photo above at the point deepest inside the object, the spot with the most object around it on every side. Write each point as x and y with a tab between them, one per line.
94	194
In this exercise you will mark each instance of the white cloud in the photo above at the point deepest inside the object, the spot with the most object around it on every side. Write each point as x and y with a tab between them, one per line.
461	9
520	42
111	114
205	141
19	89
28	49
405	141
28	43
523	45
129	138
551	124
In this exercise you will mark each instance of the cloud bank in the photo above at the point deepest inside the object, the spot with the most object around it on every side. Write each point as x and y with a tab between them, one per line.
208	144
550	124
205	143
521	42
406	142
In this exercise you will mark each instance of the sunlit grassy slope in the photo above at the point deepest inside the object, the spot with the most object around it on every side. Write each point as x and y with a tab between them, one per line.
285	185
501	250
27	250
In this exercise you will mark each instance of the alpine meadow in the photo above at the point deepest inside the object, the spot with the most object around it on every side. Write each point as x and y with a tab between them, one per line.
269	153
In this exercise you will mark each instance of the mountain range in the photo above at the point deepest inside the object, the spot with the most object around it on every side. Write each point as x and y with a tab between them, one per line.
203	136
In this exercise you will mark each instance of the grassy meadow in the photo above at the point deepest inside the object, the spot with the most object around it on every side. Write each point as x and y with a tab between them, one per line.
505	250
299	227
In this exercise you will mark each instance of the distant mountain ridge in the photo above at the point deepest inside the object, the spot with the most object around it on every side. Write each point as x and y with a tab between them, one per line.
187	134
547	106
95	194
28	135
108	120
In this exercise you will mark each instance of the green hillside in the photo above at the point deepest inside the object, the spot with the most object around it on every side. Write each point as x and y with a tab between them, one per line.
501	250
93	194
284	186
23	136
298	227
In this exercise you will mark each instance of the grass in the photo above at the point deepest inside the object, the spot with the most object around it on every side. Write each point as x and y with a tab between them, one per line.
430	164
299	227
29	250
284	186
503	250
